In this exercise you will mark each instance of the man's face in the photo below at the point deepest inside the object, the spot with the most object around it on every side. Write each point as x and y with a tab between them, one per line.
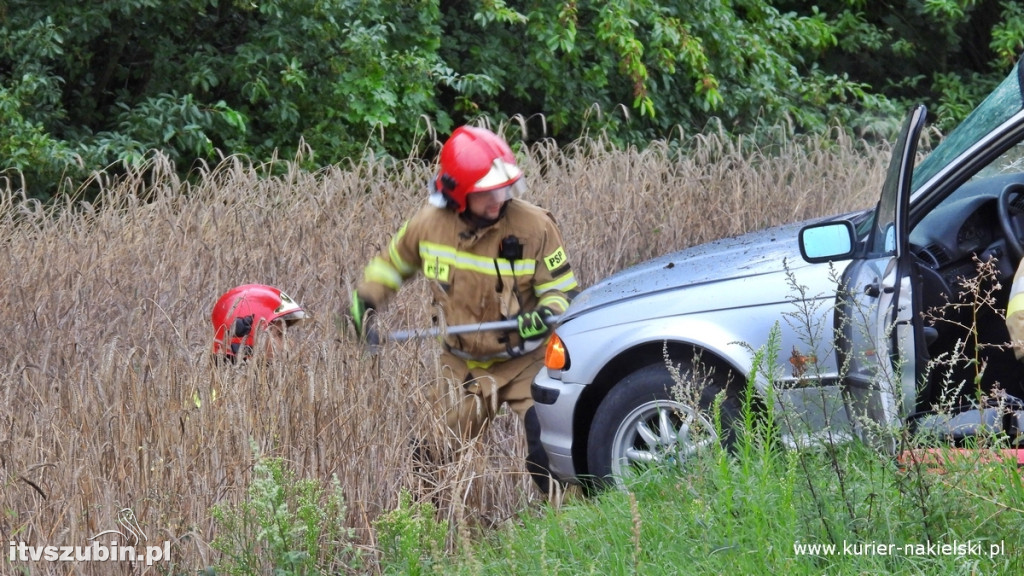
271	341
487	205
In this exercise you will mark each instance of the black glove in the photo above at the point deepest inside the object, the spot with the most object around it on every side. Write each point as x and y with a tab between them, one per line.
534	324
362	313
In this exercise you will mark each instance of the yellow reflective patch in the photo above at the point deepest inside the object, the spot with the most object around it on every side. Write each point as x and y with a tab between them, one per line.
401	265
556	259
1016	305
380	271
430	252
556	302
482	364
562	284
437	270
199	402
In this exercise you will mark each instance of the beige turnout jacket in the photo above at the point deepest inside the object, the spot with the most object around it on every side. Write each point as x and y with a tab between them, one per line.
468	278
1015	312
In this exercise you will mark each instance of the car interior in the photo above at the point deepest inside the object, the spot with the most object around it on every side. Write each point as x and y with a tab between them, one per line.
967	249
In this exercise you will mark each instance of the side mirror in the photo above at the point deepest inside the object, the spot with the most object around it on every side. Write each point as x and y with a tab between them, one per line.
827	241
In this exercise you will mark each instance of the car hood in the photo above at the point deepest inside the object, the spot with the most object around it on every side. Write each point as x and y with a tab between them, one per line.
749	255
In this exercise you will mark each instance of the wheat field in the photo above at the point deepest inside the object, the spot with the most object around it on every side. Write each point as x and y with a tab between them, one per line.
108	398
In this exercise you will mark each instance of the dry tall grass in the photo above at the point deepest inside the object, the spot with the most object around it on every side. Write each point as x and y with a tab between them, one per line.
105	310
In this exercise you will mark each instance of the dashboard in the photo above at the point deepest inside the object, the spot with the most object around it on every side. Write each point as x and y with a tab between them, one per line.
949	238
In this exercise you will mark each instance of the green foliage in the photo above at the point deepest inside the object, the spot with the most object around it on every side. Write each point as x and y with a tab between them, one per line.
109	82
285	525
409	536
98	85
1008	33
665	64
947	53
845	510
28	150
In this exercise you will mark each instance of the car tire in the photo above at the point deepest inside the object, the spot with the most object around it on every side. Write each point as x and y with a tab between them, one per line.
642	422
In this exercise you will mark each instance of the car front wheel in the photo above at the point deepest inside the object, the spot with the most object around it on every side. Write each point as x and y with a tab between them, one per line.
648	418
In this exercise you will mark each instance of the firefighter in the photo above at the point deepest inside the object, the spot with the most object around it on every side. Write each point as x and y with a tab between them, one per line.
489	256
1015	312
252	315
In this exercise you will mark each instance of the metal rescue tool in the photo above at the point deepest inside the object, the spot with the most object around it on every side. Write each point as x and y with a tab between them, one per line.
511	324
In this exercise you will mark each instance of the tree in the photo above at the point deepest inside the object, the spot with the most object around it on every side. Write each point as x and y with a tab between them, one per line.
88	86
106	82
665	64
948	53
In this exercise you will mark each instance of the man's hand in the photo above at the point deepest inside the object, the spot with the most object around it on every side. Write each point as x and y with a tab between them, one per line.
534	324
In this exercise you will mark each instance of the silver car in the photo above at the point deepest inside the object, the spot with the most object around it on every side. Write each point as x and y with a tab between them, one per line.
835	322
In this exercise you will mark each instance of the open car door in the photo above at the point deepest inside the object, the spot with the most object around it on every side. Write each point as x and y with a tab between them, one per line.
878	326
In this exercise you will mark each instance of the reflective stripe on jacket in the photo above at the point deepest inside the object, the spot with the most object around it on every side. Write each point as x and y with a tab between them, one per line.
1015	312
469	280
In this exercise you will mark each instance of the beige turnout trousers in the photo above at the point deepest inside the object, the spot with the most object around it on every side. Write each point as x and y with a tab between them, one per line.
468	395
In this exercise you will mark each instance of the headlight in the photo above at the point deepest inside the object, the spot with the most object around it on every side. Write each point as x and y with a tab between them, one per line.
556	357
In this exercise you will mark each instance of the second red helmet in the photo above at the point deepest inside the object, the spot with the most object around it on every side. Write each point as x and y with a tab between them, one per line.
244	310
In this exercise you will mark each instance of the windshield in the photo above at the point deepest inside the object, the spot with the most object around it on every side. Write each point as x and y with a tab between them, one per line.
999	107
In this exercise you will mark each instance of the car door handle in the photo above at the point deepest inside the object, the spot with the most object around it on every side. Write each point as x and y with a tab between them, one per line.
874	291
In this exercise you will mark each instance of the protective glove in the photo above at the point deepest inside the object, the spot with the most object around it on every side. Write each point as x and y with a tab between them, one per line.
534	324
362	313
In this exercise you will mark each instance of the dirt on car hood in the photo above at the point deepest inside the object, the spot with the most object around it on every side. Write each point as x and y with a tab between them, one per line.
765	252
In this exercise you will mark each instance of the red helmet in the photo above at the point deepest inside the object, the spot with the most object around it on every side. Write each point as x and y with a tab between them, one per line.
243	310
473	160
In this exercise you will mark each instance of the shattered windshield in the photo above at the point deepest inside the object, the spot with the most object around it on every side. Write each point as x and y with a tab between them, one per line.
998	107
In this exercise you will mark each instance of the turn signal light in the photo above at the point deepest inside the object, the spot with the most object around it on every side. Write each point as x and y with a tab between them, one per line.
555	356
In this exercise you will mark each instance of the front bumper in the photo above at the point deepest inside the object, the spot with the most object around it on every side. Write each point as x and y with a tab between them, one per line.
555	402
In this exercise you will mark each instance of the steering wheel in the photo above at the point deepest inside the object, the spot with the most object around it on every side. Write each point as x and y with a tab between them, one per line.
1009	209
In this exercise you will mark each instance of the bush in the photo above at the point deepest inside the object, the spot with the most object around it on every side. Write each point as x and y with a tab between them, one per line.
285	525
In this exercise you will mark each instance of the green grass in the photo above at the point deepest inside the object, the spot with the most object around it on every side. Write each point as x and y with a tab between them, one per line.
762	508
774	511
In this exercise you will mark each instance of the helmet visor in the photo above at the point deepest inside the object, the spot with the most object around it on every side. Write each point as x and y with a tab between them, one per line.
488	204
502	193
293	318
496	196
